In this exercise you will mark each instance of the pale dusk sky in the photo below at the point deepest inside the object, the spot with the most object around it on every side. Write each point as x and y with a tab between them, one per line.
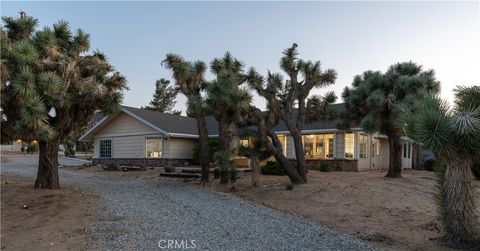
350	37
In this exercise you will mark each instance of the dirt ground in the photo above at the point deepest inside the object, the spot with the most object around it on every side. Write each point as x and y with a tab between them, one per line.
394	214
54	220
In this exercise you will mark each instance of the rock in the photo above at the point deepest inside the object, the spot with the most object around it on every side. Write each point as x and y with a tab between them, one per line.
26	206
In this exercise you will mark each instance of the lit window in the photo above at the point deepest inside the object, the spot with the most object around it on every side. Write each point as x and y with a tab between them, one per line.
329	146
245	142
349	145
105	148
283	140
153	147
318	145
362	151
375	147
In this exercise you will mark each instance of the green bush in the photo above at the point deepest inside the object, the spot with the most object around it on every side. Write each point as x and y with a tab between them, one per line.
69	150
273	168
32	148
323	166
289	186
232	174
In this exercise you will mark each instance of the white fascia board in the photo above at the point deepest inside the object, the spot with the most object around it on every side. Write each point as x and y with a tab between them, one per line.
183	135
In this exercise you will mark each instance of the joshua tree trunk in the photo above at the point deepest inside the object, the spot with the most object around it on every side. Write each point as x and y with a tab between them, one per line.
47	174
458	204
254	165
395	163
228	141
203	142
276	148
299	155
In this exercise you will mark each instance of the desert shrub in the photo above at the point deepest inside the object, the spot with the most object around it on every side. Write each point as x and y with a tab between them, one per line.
323	166
273	168
289	186
232	174
429	165
69	150
32	148
212	148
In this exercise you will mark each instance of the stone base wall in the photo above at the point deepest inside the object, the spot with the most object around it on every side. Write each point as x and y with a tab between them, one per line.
142	162
342	165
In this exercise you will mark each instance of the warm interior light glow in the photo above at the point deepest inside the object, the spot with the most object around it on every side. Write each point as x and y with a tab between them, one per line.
19	141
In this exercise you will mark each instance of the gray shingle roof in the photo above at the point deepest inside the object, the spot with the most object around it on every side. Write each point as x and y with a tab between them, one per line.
186	125
179	126
173	123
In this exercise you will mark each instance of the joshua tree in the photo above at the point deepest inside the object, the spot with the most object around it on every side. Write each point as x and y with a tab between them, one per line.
287	100
164	98
189	78
256	152
454	136
51	87
376	100
226	101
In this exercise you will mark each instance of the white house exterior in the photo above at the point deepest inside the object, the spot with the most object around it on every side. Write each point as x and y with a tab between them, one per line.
141	137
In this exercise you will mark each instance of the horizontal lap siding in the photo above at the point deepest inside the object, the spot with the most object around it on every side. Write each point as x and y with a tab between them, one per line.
129	147
127	135
126	146
179	148
382	161
124	124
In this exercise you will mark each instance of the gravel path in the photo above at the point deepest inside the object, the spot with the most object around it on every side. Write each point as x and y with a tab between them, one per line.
136	214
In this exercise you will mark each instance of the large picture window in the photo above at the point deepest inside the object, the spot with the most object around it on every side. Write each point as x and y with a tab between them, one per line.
318	146
349	145
362	151
105	148
153	147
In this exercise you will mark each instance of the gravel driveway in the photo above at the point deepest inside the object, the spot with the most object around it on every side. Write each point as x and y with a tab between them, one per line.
136	214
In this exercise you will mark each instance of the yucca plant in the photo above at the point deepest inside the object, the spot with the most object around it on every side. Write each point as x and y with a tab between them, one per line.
454	136
376	100
189	79
227	100
51	86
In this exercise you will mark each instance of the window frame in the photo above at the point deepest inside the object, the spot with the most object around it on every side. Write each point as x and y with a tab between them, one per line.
319	141
160	138
349	145
100	147
362	146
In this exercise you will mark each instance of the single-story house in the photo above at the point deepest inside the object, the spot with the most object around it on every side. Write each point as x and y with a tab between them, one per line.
148	138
